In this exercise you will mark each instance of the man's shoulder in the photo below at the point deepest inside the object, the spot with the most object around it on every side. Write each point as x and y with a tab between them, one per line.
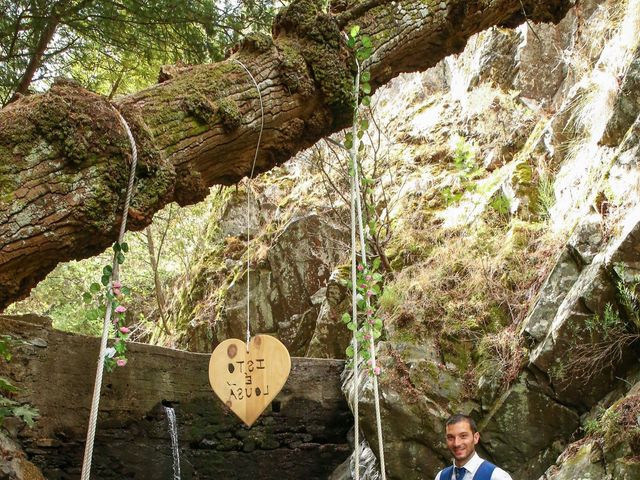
440	474
500	474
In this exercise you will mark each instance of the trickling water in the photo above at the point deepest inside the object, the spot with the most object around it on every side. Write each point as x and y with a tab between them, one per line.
173	431
369	466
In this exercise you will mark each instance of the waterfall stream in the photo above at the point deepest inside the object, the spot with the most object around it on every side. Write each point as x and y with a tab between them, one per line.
173	431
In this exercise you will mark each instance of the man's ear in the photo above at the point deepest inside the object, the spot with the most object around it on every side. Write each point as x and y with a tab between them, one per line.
476	438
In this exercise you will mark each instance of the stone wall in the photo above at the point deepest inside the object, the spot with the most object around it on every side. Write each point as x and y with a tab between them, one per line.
302	435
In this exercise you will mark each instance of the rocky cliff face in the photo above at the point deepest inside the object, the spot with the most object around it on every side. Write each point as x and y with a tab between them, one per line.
507	178
542	353
292	252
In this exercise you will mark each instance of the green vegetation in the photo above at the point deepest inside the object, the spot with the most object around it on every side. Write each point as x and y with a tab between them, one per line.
605	337
616	425
472	287
546	196
8	406
116	47
179	234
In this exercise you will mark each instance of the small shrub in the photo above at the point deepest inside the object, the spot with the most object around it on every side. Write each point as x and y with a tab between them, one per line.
8	406
610	334
501	357
501	204
390	299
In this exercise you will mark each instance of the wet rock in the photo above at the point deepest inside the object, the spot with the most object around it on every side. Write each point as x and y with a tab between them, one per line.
627	105
524	423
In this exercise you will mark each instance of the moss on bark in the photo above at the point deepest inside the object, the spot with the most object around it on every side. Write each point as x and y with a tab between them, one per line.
320	43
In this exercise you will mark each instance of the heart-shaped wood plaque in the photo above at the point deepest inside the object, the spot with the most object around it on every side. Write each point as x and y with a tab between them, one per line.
247	381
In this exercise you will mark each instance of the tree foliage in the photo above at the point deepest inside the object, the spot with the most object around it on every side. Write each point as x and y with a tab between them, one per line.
178	234
115	46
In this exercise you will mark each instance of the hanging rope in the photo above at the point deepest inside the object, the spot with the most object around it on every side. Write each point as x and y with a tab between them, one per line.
356	211
248	187
372	348
354	298
93	416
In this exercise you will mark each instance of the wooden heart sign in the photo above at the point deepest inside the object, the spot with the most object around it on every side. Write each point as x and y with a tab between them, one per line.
247	381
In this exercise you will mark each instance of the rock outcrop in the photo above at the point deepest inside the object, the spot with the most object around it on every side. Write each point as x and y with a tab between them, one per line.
290	268
533	389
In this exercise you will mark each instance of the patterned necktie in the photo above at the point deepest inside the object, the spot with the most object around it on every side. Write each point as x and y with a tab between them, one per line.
460	472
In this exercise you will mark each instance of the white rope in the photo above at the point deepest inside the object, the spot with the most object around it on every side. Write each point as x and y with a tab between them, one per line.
363	253
93	416
372	348
248	187
354	274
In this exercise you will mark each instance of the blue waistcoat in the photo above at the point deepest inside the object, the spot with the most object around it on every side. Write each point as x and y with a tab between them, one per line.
483	473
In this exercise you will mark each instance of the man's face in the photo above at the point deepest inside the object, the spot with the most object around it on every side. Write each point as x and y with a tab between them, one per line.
461	441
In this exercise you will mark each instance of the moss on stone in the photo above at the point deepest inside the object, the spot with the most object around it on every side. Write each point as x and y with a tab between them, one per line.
456	351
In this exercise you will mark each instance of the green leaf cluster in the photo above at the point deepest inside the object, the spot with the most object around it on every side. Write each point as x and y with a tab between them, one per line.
363	47
368	326
468	170
118	46
8	406
501	204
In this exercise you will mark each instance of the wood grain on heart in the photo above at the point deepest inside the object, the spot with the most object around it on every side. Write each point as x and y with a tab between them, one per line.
247	381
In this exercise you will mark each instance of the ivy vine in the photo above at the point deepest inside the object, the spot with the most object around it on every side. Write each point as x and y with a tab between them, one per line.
368	281
112	292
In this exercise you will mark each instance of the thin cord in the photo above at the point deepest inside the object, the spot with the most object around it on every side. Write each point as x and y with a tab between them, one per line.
372	348
363	253
248	187
354	299
93	416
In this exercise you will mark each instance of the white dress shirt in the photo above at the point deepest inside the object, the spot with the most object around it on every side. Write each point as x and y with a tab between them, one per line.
472	466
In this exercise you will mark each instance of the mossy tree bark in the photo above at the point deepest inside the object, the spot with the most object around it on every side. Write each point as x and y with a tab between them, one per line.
64	158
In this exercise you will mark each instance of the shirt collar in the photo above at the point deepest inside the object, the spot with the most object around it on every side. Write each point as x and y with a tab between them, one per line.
472	464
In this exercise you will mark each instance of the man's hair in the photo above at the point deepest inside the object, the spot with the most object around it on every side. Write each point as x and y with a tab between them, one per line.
459	417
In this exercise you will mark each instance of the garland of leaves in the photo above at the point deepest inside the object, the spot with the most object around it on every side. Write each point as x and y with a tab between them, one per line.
111	291
365	281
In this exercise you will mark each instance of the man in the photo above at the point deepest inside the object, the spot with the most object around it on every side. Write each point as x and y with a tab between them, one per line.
462	438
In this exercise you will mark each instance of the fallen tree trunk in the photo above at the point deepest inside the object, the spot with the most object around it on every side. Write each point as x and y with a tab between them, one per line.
64	158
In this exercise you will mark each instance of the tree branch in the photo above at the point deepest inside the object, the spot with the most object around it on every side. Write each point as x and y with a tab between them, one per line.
64	157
